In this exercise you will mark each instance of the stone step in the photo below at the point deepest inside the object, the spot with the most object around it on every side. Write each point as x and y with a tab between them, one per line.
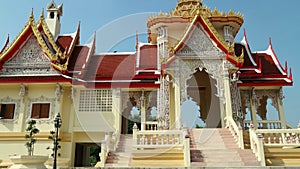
224	164
157	163
217	147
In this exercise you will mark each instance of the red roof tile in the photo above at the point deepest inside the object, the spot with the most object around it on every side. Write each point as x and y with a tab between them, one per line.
148	57
78	58
64	42
116	67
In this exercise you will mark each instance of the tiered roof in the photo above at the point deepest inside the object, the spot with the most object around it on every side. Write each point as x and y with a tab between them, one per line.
78	64
262	68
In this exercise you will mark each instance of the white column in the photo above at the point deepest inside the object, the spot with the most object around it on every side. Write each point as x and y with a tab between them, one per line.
227	98
253	112
281	112
143	112
117	109
177	105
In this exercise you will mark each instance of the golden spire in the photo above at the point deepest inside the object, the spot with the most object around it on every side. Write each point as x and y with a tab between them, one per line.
42	17
31	17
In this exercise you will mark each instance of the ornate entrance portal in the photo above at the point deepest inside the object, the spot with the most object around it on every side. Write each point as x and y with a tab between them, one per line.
202	89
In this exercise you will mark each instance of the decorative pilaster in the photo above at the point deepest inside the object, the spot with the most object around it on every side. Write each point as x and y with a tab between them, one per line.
253	104
163	116
280	97
23	91
58	92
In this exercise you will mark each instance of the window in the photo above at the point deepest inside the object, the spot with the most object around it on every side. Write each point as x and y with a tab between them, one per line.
40	110
51	15
7	110
95	100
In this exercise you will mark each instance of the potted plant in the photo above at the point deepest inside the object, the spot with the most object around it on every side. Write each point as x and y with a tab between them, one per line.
30	160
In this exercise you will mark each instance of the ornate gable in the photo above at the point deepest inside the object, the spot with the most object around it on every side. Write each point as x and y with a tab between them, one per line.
199	45
30	59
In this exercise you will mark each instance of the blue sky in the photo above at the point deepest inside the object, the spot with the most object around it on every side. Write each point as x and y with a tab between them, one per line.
263	19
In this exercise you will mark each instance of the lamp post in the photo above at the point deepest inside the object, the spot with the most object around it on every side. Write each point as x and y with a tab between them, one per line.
57	125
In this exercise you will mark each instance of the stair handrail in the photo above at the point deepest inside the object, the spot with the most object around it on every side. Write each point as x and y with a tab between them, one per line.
236	131
108	145
280	137
257	147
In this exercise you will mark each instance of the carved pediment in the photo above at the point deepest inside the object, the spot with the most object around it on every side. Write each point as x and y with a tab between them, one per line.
199	45
30	59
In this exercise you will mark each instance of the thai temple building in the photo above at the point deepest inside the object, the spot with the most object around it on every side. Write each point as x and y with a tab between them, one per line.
124	109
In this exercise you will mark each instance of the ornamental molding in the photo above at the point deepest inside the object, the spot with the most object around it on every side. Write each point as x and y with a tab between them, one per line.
199	45
137	99
246	96
185	68
30	59
58	91
16	112
163	108
41	99
274	95
23	91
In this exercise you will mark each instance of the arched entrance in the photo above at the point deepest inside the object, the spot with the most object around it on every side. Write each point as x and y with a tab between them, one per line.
202	89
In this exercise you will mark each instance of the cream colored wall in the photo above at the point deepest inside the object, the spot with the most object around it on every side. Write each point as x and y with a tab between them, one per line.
97	121
8	148
35	93
12	92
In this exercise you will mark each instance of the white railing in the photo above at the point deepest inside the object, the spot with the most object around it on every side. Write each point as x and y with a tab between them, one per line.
236	131
284	137
166	139
158	138
150	125
109	144
275	137
264	124
257	147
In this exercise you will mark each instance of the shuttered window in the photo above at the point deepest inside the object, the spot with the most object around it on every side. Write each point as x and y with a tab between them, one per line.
40	110
7	111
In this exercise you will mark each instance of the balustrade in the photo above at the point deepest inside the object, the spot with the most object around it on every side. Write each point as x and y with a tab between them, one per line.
109	144
264	124
158	138
236	131
150	125
280	137
162	139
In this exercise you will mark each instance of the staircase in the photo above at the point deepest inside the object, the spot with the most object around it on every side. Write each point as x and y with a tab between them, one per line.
158	154
217	148
122	156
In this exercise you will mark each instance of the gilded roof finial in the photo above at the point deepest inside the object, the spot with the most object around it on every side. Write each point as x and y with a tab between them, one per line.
31	17
42	17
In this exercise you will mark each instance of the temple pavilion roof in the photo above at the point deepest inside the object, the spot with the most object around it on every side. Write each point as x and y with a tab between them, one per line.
262	68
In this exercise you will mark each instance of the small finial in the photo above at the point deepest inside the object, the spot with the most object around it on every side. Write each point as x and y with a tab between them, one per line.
270	41
136	41
31	17
42	14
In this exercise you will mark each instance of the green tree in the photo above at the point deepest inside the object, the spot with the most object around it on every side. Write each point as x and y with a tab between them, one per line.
32	131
